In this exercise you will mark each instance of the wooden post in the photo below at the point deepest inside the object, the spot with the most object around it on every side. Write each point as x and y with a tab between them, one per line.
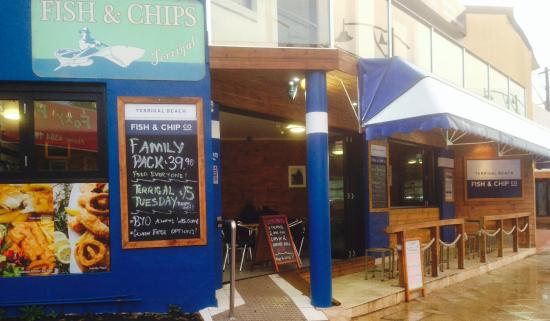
401	242
434	233
528	232
500	238
516	234
460	246
482	242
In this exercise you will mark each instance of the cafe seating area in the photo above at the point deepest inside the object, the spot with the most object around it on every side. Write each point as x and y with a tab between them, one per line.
246	239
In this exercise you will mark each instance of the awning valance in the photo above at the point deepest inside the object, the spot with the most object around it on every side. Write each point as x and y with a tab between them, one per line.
395	96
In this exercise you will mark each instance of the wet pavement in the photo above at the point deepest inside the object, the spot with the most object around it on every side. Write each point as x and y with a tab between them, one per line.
519	291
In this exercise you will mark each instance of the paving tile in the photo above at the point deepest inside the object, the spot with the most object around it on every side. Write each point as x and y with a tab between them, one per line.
519	291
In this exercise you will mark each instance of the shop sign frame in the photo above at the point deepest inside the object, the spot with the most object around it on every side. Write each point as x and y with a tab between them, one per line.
521	180
119	39
200	192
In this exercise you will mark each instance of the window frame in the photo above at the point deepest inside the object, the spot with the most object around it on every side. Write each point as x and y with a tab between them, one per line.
429	180
29	92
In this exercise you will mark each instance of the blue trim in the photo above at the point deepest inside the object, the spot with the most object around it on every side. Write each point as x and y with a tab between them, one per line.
381	81
446	210
217	196
318	197
155	278
447	121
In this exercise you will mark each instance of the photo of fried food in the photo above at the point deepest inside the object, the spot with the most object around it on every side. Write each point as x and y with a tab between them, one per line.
26	199
93	224
33	241
91	253
95	203
88	222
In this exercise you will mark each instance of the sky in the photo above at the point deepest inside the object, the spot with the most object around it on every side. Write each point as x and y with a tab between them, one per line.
534	18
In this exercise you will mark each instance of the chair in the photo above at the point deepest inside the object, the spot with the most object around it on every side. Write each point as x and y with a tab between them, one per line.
298	230
383	252
246	240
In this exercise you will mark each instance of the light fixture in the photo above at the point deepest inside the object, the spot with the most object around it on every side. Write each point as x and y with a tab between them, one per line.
380	41
292	89
11	111
338	148
411	161
295	129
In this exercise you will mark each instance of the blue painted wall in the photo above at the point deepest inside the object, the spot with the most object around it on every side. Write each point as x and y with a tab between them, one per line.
375	222
185	276
446	210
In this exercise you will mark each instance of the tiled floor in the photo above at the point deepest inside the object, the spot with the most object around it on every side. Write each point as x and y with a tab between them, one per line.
519	291
264	298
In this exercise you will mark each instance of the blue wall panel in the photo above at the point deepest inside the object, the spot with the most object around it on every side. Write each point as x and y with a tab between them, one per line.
185	276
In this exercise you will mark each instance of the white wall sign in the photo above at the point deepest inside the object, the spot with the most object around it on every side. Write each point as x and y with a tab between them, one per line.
378	151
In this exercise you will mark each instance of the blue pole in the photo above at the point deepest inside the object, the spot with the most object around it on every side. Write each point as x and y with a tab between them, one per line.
217	190
318	195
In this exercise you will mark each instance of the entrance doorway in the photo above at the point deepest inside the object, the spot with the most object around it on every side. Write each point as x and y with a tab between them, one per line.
263	172
543	197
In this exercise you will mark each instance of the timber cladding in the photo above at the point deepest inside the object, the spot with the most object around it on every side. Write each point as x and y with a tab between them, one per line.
400	216
475	208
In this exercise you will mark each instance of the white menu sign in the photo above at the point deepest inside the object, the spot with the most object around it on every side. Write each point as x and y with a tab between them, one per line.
413	265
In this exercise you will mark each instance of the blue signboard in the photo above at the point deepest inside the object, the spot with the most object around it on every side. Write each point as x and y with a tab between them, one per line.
122	39
495	178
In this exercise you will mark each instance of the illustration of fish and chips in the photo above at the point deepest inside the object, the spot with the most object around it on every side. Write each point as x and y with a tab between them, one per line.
47	226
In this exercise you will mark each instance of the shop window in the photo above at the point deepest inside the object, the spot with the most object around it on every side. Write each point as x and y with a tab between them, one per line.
412	172
498	83
517	98
250	4
476	76
9	135
52	131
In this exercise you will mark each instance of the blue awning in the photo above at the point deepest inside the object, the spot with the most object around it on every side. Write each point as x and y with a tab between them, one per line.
397	97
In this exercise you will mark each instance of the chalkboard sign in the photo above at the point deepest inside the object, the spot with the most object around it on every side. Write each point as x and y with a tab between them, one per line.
161	172
379	182
274	238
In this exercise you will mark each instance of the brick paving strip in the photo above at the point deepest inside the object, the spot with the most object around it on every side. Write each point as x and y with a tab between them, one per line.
264	301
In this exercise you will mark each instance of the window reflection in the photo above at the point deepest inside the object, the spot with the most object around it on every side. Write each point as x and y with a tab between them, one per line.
517	98
65	135
9	135
411	39
476	75
447	59
499	88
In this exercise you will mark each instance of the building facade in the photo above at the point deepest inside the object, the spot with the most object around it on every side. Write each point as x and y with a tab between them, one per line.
130	79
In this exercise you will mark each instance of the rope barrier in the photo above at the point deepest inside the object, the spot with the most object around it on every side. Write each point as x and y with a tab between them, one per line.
521	230
428	245
450	244
465	236
490	234
511	231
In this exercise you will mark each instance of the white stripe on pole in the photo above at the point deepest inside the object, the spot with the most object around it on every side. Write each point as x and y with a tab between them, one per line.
317	122
216	129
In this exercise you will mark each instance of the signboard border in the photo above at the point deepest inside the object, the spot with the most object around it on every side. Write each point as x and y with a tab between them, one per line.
470	200
263	230
121	103
406	273
388	181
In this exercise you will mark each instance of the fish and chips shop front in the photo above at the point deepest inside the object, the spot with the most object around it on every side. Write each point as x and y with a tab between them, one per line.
110	165
104	128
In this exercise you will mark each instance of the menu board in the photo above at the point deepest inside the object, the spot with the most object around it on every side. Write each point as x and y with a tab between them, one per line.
274	236
412	260
162	172
448	183
379	182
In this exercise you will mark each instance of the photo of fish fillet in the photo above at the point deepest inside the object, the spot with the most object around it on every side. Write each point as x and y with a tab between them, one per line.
93	224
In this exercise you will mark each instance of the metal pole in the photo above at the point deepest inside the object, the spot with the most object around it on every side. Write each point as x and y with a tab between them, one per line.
547	102
233	270
390	29
317	188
